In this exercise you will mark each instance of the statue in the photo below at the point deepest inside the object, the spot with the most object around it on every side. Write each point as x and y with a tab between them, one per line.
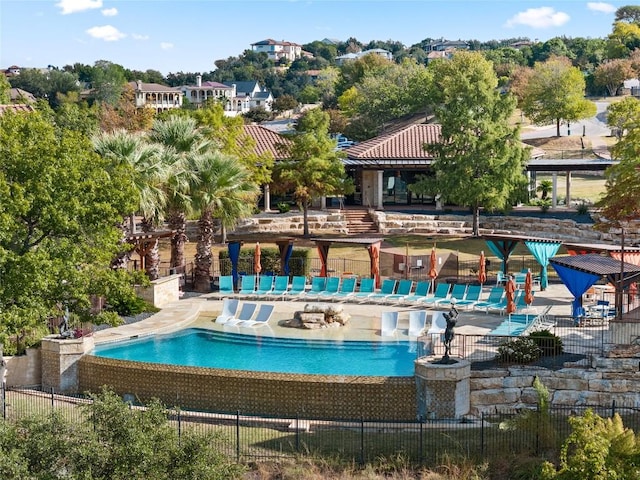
451	317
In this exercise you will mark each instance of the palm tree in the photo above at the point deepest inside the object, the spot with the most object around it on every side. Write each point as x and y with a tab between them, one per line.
181	141
544	187
149	175
221	184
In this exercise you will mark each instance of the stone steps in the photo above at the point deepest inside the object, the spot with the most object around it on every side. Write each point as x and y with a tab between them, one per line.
359	222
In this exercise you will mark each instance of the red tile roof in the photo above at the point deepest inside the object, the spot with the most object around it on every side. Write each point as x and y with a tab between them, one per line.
266	140
16	107
405	143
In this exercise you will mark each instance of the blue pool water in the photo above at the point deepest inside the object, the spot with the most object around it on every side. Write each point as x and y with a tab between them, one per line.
206	348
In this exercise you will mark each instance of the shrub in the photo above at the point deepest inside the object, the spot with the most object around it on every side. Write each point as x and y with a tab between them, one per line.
283	207
520	350
582	208
548	343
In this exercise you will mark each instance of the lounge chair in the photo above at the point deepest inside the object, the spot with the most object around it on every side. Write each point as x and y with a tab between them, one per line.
387	288
404	289
248	285
367	287
226	285
246	312
262	317
298	287
420	293
471	298
229	309
417	322
347	289
332	286
388	323
318	285
438	324
280	286
495	296
501	306
265	285
458	292
441	293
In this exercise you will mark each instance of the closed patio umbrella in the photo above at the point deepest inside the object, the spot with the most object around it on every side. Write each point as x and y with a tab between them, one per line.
510	292
528	288
257	267
482	269
433	272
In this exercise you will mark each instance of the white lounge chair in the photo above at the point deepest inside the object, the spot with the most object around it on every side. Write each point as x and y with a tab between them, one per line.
229	309
438	324
262	318
388	323
417	322
246	313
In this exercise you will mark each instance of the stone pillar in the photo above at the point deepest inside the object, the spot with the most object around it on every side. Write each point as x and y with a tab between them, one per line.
554	190
443	389
567	201
323	202
379	189
267	198
60	362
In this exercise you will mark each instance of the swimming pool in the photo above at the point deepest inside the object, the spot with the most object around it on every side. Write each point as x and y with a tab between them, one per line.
200	347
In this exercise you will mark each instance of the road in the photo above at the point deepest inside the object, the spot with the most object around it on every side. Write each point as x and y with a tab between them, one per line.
593	127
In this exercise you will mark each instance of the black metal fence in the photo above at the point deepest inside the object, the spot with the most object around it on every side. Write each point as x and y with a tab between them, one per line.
424	441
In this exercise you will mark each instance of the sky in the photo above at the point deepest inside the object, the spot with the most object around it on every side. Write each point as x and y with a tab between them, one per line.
190	35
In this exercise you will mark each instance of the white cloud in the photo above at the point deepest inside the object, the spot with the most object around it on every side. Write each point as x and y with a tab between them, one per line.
137	36
166	45
601	7
110	12
106	33
543	17
73	6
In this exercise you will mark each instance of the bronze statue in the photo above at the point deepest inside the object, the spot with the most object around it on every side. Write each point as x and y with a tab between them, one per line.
451	317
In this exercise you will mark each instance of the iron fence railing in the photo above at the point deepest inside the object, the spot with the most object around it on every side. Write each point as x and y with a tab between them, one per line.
247	438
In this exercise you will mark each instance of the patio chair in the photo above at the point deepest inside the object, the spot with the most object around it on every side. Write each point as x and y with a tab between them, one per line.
280	286
265	285
226	285
387	288
495	296
458	293
247	285
367	287
404	289
420	293
332	286
438	324
347	289
229	309
262	317
388	323
417	322
318	285
246	312
471	298
442	292
501	306
298	287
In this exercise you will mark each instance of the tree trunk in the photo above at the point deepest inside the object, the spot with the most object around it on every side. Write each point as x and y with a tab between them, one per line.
558	127
203	259
476	221
305	220
152	258
122	258
177	223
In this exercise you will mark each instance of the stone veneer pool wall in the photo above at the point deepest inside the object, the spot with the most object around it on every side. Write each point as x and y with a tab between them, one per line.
259	393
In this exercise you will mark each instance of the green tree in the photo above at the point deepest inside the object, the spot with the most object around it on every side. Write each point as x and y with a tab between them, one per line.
479	159
623	40
59	207
5	89
107	83
544	187
612	74
620	115
312	167
220	183
628	13
284	103
555	93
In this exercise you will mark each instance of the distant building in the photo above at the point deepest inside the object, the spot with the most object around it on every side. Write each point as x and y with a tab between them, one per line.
202	92
236	97
277	51
354	56
19	95
156	96
17	108
442	45
250	95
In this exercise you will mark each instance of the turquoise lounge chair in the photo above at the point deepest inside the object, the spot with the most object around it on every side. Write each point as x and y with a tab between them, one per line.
367	287
404	289
332	287
265	285
298	287
495	296
280	286
347	289
458	292
387	288
471	298
420	293
248	285
226	285
441	293
318	285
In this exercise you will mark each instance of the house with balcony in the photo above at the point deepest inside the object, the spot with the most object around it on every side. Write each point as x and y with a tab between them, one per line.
153	95
248	95
202	92
278	51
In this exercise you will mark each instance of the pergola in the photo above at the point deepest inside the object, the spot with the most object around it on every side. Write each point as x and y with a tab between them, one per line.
541	248
285	247
371	244
579	272
143	243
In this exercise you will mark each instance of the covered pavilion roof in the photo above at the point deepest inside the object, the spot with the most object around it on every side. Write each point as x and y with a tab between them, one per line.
601	265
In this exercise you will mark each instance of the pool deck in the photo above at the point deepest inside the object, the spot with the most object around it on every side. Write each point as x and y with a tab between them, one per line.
201	310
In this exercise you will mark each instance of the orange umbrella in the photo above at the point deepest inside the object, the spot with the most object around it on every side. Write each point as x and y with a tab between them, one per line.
257	267
510	291
528	288
482	269
433	272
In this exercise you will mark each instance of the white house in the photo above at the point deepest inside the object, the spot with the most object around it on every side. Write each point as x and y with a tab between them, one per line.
278	50
236	97
156	96
199	93
249	95
354	56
